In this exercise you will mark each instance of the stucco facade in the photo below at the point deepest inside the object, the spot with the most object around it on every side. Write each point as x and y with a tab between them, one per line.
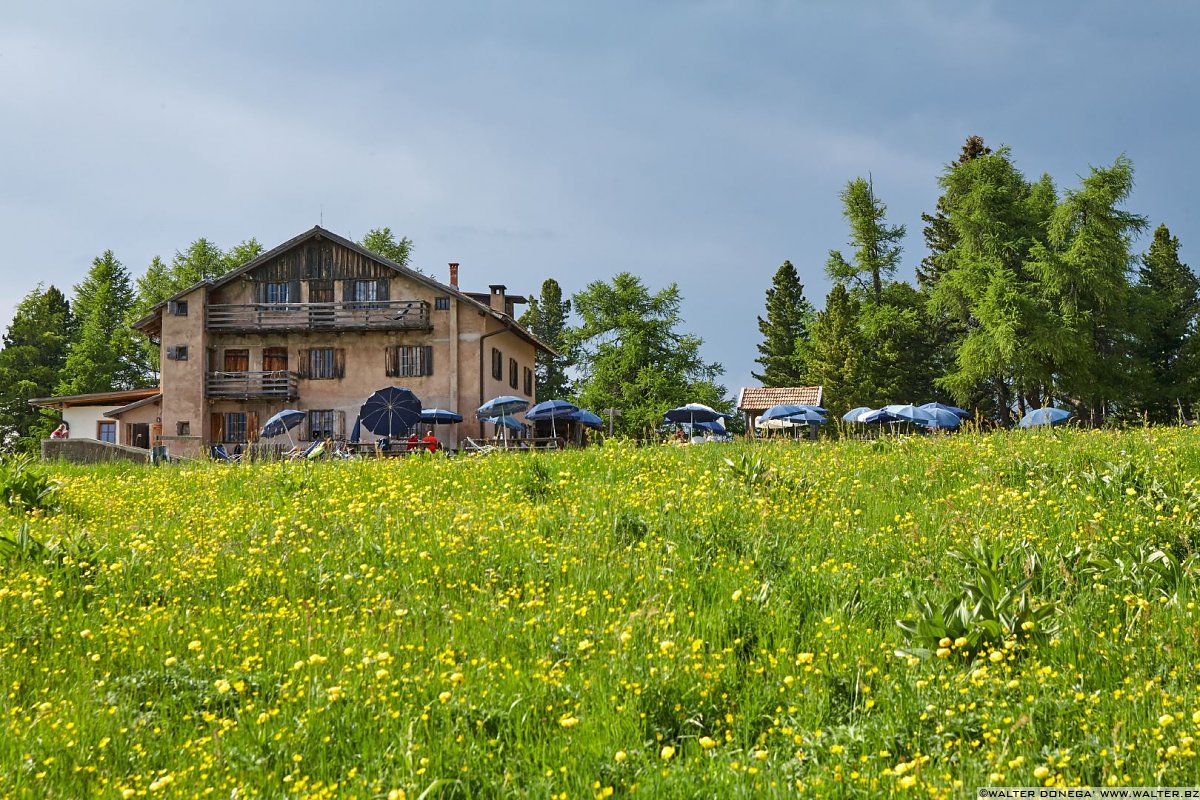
318	324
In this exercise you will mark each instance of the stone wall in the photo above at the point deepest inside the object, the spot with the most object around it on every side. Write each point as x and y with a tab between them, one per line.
91	451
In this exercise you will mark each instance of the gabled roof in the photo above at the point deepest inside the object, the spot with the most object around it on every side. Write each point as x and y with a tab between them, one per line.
116	412
760	398
115	398
317	232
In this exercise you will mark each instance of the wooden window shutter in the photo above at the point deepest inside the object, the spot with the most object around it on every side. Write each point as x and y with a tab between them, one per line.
428	359
339	424
347	290
218	427
260	292
339	363
303	367
251	426
293	291
392	361
381	289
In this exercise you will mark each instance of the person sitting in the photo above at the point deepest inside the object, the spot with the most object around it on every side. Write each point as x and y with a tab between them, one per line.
61	432
413	442
430	441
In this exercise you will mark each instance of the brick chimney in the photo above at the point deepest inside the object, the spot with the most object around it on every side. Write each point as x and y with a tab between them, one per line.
499	300
454	274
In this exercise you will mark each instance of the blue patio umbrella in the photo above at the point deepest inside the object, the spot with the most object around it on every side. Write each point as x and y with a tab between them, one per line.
946	420
586	418
551	410
959	412
805	415
870	417
391	411
508	422
439	416
502	407
692	413
1045	416
853	414
785	410
909	413
283	422
715	427
356	431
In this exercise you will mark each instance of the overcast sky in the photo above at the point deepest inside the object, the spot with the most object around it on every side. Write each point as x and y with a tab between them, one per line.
700	143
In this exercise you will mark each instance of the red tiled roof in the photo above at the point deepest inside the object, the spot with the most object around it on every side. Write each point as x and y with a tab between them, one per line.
760	398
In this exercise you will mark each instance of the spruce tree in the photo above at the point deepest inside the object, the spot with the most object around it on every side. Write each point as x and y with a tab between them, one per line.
939	234
784	331
34	353
546	318
1168	295
837	355
104	355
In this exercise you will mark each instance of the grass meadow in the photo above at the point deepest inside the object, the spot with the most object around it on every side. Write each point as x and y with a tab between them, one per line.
613	622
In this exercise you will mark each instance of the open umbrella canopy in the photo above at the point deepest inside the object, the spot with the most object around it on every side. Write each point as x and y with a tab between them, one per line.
870	417
356	431
941	418
785	410
585	418
551	409
506	421
1045	416
390	411
439	416
715	427
805	415
853	414
692	413
282	422
958	412
909	413
501	406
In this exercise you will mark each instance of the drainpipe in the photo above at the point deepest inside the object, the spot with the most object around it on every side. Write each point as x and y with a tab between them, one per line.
481	338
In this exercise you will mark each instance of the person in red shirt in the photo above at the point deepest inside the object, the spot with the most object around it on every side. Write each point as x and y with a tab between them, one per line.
413	442
431	442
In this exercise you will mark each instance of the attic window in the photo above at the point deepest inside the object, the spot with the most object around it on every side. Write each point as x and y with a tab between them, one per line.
441	303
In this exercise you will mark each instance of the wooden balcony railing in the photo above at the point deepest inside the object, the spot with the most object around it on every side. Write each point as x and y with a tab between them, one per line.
252	385
349	316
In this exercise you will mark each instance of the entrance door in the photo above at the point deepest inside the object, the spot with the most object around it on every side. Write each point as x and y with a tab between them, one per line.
140	435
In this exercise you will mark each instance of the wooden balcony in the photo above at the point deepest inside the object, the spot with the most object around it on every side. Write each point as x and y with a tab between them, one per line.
384	315
252	385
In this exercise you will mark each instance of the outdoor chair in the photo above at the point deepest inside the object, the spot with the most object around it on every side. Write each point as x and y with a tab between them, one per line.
313	451
219	453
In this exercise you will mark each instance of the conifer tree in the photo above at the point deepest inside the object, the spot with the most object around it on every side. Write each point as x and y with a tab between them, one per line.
939	234
104	354
34	353
876	244
382	241
546	318
836	355
785	330
1168	295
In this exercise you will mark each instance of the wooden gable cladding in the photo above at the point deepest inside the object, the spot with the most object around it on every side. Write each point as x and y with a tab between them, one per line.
320	259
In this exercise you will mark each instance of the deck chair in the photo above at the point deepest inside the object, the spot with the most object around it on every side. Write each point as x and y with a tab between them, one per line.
317	447
469	445
219	453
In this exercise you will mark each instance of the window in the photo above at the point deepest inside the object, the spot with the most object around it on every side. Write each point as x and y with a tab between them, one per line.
323	363
276	293
320	425
275	359
106	432
528	382
497	364
183	428
409	362
177	352
512	372
320	291
237	360
441	303
177	308
235	427
365	293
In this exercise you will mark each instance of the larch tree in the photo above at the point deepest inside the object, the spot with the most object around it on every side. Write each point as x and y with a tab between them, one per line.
876	244
382	241
31	364
785	330
632	357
